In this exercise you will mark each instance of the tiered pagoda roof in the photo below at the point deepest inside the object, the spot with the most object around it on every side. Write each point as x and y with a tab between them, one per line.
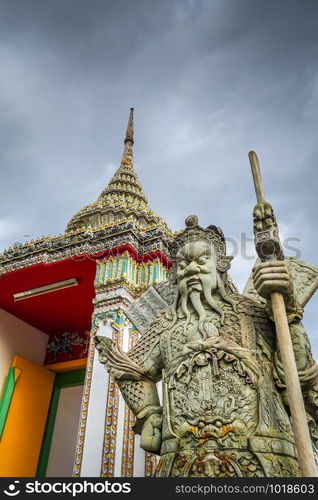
120	216
123	199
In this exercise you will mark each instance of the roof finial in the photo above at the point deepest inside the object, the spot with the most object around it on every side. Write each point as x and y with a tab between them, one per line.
129	140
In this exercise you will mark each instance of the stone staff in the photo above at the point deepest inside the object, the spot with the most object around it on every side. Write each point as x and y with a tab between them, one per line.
269	248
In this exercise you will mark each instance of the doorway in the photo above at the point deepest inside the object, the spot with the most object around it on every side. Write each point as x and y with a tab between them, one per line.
60	436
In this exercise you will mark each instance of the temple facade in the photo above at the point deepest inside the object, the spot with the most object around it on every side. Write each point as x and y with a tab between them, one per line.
60	412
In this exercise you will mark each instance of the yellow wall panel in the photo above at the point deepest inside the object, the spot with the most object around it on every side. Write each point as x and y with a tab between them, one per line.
22	436
67	366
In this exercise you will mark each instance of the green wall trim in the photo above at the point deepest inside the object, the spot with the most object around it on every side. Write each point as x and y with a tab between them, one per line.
6	396
69	379
48	433
62	380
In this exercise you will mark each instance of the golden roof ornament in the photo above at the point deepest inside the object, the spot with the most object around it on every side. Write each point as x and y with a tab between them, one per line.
123	198
129	141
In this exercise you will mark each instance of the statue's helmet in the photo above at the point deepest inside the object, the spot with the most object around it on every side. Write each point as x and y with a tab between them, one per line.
212	234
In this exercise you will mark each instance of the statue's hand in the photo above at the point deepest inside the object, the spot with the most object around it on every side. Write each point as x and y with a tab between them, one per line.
264	217
151	434
273	276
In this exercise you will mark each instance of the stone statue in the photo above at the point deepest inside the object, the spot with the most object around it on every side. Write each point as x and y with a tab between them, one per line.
224	410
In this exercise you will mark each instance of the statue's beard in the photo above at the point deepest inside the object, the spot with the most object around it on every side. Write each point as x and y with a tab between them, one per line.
195	297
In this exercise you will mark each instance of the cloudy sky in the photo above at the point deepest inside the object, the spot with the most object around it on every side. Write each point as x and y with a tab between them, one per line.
209	80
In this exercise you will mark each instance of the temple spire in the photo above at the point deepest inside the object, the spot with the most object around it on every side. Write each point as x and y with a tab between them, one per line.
129	141
122	199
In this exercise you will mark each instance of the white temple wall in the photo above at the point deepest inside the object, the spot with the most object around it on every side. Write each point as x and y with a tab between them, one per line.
94	435
19	338
119	437
121	415
139	458
100	400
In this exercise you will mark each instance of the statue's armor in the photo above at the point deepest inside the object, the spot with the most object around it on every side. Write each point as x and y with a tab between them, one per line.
223	413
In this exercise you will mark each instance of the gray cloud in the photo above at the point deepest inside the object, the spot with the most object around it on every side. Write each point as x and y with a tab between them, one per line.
210	80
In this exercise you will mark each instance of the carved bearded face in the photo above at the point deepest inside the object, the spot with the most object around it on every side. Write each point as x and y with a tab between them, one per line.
197	277
196	266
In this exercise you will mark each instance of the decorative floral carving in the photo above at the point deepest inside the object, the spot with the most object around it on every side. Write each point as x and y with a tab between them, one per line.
67	343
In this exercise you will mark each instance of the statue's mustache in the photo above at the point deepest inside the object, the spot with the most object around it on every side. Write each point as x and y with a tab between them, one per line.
196	296
192	280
